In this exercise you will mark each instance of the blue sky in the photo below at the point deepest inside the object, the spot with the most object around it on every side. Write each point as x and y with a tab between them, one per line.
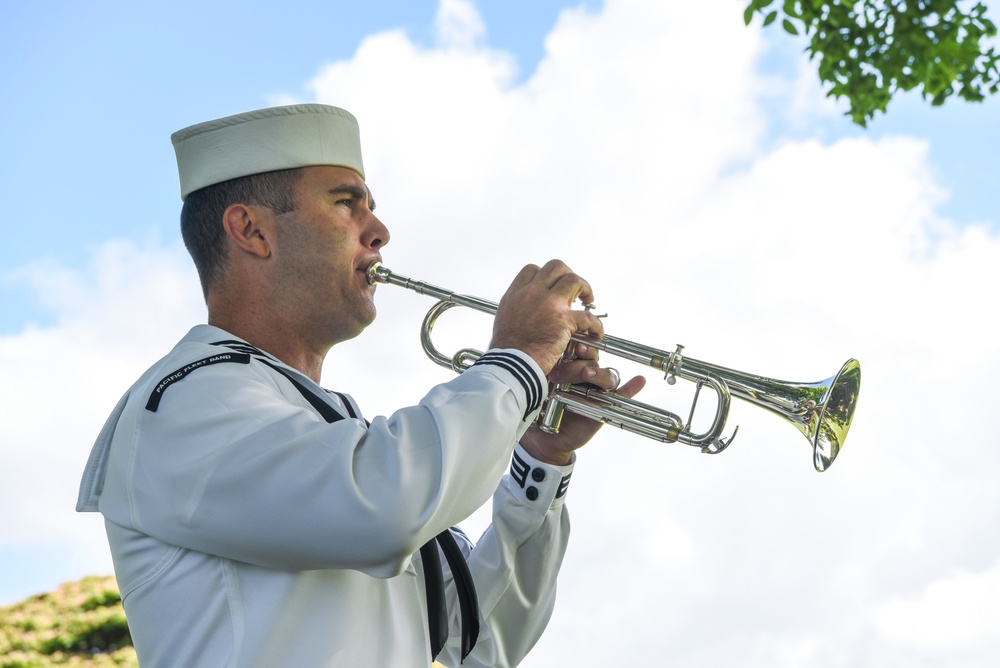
93	91
690	167
81	79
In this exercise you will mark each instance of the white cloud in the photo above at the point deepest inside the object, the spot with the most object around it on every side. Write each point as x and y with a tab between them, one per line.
651	179
635	151
951	619
58	383
458	25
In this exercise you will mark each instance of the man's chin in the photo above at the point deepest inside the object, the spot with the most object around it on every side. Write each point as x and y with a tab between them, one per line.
362	324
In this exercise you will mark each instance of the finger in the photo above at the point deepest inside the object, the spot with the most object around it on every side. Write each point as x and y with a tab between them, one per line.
524	277
575	372
579	351
585	372
552	272
574	287
632	387
559	278
605	378
587	322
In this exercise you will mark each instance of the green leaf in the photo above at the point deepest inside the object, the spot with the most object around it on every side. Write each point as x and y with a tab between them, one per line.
748	14
869	50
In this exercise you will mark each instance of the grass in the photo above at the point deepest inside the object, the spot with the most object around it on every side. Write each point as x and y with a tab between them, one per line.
79	624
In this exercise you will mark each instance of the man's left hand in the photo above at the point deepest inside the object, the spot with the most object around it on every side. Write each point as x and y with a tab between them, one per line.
579	368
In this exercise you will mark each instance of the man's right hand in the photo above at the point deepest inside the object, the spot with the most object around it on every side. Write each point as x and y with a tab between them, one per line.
536	314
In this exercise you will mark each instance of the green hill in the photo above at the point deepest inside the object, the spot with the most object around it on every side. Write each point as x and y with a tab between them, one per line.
79	624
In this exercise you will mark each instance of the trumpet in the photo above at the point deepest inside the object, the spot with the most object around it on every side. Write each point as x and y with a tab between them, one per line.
821	411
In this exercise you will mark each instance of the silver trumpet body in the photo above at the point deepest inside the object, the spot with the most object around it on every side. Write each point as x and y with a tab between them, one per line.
821	411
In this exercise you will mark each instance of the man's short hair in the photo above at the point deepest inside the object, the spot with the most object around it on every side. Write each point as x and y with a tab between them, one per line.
201	216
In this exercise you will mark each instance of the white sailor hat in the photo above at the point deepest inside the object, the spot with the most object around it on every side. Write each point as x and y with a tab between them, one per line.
266	140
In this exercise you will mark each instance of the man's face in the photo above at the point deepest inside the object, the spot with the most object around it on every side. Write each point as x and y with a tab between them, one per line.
323	248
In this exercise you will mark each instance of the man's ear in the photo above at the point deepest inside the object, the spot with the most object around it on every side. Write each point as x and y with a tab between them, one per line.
246	227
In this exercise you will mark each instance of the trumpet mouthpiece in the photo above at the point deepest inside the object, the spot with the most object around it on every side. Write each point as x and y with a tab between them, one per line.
377	273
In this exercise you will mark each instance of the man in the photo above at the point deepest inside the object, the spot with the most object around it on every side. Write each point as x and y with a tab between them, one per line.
256	519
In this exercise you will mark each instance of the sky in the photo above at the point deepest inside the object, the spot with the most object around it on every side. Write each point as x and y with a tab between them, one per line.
690	167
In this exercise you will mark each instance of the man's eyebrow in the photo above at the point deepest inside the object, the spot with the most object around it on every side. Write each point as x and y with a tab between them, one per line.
354	191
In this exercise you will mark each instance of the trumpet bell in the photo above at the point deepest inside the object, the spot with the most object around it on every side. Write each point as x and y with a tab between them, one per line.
821	411
827	433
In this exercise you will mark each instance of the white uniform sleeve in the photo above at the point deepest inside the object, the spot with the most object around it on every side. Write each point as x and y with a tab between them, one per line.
515	565
227	467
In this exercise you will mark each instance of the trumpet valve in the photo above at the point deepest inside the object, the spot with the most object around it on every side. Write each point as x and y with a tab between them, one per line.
552	414
672	365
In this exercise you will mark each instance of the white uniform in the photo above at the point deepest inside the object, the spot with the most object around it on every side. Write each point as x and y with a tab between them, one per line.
247	530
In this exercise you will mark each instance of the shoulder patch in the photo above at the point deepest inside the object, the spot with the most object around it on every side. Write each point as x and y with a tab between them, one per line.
182	373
